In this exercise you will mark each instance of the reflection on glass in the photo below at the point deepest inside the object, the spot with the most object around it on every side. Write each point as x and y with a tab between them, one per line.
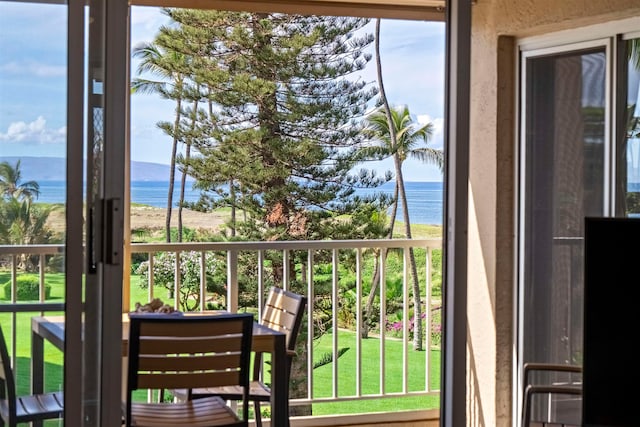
565	173
33	186
629	175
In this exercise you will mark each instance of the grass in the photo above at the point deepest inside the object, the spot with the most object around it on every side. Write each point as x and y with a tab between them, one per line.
418	231
52	356
323	375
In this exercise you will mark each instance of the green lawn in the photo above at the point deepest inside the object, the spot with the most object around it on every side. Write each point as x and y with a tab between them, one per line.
323	375
52	356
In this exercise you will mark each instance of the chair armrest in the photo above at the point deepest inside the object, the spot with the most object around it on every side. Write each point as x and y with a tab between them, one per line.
544	389
548	367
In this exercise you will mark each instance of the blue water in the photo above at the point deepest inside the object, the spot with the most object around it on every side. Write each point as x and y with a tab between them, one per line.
425	199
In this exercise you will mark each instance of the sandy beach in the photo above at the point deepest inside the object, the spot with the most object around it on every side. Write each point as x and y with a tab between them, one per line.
151	218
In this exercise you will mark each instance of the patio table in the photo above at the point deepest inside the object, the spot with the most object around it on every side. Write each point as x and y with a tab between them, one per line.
265	339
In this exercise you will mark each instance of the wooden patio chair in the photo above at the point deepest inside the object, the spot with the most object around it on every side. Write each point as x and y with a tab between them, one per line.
23	409
172	351
568	390
283	312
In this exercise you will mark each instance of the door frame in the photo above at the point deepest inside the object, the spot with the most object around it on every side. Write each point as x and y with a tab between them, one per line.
600	35
522	175
94	308
74	243
458	44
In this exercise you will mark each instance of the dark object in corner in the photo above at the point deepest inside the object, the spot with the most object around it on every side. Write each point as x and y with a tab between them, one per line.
611	322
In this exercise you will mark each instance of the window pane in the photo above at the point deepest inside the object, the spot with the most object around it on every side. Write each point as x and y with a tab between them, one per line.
33	150
628	177
565	98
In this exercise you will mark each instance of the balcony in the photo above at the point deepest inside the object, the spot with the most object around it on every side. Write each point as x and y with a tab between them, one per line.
383	369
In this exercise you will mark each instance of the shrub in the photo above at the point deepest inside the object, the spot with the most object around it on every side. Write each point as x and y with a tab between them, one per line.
164	271
55	264
27	289
395	325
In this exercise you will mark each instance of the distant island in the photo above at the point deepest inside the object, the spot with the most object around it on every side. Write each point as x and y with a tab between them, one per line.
54	169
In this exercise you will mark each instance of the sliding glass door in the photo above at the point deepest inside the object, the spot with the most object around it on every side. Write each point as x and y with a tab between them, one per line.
580	156
564	169
63	128
627	178
107	133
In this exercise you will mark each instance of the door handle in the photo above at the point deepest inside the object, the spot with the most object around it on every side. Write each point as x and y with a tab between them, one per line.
114	231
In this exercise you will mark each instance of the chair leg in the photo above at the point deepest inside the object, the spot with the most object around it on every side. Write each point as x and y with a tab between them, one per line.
257	414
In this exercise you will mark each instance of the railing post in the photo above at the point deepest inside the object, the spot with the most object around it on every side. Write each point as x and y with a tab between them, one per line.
334	323
42	290
151	275
260	283
232	281
310	299
406	320
383	316
286	274
359	322
362	372
429	315
203	280
176	281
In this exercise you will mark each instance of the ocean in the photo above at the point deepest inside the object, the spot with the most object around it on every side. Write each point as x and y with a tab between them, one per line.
425	199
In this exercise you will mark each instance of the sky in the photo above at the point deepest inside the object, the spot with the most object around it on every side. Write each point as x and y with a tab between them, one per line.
33	83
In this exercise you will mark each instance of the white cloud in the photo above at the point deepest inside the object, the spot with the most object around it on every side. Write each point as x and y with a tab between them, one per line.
35	132
437	139
145	22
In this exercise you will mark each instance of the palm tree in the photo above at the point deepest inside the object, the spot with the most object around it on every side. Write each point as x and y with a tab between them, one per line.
393	134
23	223
11	185
167	65
394	207
401	141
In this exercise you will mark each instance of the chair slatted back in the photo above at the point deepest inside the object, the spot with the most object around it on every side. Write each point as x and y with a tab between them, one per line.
170	351
559	381
7	381
283	311
16	410
547	390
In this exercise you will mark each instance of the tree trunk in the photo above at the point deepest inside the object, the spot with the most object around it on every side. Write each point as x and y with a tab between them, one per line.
298	381
187	156
417	309
417	300
368	309
232	192
172	169
183	183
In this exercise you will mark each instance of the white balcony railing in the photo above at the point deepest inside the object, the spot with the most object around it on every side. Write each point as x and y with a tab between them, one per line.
299	261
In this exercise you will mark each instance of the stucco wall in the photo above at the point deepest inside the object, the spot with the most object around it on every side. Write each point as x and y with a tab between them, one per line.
497	25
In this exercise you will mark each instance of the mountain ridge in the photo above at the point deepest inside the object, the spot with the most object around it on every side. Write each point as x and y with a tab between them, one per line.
34	168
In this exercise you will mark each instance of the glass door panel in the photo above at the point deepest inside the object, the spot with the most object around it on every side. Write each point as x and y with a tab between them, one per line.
107	133
565	158
565	124
58	74
34	148
628	164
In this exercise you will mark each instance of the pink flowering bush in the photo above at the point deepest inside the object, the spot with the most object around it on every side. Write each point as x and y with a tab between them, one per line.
394	327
